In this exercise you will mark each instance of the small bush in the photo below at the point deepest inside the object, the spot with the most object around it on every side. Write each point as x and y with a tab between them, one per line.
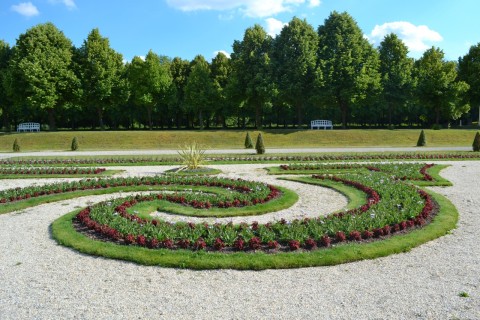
74	145
421	140
437	126
476	142
259	146
16	146
248	142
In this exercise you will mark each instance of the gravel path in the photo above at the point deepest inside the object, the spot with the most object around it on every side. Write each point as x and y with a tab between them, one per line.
42	280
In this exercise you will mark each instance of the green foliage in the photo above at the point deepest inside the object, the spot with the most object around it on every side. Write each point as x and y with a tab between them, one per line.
421	140
102	75
252	71
476	142
294	62
16	146
42	72
396	74
248	142
463	294
259	146
199	89
348	64
74	145
192	155
438	88
468	71
150	82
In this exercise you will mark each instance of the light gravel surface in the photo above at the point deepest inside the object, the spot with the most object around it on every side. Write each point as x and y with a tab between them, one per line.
42	280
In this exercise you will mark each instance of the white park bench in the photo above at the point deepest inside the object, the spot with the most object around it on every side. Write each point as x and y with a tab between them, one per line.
321	124
28	126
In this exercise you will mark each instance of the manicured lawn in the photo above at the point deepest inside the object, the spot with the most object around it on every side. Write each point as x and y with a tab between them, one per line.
232	139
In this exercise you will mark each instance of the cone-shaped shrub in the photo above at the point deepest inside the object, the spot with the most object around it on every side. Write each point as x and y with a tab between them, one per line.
74	144
248	142
16	146
260	147
421	140
476	142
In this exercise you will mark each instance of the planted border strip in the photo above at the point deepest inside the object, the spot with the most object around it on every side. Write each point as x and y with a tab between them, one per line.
246	159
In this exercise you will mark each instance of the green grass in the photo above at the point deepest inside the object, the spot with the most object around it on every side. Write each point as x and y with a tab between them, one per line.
215	139
63	231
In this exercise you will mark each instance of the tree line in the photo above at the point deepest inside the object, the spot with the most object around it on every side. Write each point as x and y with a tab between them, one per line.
300	75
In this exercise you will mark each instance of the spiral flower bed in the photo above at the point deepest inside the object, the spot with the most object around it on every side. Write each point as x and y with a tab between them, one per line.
391	207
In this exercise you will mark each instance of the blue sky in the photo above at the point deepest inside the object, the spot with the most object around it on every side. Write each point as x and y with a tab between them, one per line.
185	28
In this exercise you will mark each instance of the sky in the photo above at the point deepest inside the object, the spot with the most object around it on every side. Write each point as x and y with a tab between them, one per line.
185	28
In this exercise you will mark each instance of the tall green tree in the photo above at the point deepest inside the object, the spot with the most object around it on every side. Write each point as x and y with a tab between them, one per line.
102	73
150	81
469	71
43	78
252	70
221	70
180	70
396	74
199	89
438	88
5	101
294	60
347	63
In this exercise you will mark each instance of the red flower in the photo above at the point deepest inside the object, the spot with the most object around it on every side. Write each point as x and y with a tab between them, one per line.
199	244
310	244
294	245
218	244
254	243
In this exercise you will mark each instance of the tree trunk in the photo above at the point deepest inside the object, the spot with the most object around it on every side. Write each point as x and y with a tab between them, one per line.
344	111
51	119
390	111
200	119
149	115
258	116
100	118
299	114
437	115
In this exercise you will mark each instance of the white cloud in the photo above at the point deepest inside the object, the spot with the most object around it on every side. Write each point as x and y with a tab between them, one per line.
70	4
314	3
416	38
274	26
215	53
26	9
250	8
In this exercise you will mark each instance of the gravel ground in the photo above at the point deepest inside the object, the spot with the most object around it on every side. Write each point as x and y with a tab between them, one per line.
42	280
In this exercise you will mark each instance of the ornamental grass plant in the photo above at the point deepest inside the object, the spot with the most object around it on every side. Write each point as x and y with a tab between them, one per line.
192	155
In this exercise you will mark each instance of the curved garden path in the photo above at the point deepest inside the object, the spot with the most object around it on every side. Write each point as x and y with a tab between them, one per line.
42	280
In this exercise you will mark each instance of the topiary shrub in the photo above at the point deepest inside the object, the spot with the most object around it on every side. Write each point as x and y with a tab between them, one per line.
74	145
421	140
259	146
248	142
16	146
476	142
